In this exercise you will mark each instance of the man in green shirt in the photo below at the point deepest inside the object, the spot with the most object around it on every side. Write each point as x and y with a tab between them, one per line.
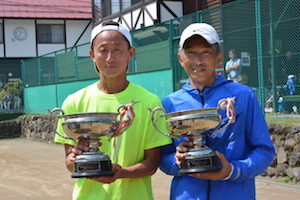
139	146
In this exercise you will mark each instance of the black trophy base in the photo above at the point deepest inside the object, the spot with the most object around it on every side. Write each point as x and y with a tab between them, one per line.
200	164
87	166
91	174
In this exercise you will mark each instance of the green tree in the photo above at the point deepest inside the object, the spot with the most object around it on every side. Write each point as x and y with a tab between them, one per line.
2	94
14	88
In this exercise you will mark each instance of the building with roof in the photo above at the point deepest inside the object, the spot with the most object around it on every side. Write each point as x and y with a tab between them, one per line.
31	28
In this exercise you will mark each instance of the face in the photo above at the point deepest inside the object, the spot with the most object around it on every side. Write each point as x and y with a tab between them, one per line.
231	55
199	60
111	53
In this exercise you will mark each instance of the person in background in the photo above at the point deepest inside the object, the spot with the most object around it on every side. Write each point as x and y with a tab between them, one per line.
233	66
17	102
290	65
139	146
244	148
7	101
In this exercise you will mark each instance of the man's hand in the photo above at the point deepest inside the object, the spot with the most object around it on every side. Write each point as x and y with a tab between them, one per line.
117	169
216	175
181	149
73	151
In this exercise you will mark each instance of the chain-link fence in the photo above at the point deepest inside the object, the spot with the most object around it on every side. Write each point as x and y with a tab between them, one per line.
263	33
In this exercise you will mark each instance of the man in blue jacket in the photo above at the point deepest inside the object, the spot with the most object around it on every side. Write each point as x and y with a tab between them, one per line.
243	148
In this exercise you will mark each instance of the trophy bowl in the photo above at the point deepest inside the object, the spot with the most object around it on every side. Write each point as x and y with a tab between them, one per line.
90	127
194	124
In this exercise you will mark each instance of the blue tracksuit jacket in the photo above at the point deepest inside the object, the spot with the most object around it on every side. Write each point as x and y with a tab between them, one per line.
246	144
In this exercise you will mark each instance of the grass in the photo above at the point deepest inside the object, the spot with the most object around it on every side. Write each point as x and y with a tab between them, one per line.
287	122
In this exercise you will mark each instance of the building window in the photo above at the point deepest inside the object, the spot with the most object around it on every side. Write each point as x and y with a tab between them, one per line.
109	7
50	33
1	33
126	4
135	1
106	8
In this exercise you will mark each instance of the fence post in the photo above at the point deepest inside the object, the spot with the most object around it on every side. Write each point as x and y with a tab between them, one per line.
259	55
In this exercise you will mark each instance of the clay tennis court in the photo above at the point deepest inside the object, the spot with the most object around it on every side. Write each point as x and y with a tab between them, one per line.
34	171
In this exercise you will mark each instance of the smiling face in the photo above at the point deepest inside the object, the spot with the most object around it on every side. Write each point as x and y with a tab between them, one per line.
111	54
199	60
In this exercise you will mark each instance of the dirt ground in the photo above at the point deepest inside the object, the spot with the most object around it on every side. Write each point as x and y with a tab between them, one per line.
34	171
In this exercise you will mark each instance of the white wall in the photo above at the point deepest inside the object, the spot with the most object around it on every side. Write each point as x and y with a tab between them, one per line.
148	21
27	48
75	29
49	48
176	7
19	48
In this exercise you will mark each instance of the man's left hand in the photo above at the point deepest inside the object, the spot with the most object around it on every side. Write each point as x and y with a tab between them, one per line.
117	169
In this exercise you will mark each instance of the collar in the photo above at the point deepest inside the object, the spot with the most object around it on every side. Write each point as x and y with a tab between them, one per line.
220	79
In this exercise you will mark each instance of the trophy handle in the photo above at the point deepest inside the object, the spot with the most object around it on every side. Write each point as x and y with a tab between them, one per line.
60	116
126	118
155	120
228	105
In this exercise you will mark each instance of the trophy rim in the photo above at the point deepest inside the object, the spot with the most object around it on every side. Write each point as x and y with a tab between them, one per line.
192	111
90	114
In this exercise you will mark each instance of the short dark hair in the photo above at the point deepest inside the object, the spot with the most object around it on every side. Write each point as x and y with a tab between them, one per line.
233	51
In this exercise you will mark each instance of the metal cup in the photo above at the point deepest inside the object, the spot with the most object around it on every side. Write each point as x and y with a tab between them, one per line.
194	124
90	127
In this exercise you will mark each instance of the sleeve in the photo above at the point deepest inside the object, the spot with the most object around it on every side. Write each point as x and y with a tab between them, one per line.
239	62
261	150
154	137
227	65
167	161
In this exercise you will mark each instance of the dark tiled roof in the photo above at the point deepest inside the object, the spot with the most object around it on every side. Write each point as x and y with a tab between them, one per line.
49	9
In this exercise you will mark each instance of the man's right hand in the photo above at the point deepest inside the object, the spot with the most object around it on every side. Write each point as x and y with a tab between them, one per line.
72	151
80	147
181	149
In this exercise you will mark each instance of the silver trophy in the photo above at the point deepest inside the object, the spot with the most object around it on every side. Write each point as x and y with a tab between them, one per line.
194	124
90	127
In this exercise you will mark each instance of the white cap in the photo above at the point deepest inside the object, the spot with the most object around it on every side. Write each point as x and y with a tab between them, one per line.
202	29
291	76
111	26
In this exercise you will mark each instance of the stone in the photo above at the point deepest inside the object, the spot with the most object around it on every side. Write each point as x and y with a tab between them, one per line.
297	137
295	129
271	171
278	129
296	173
280	169
289	143
295	156
281	155
278	143
289	172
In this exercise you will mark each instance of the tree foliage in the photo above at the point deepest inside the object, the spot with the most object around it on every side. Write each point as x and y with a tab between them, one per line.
14	88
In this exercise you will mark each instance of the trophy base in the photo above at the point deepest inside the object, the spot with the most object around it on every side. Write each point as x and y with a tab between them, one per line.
199	164
91	174
92	165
